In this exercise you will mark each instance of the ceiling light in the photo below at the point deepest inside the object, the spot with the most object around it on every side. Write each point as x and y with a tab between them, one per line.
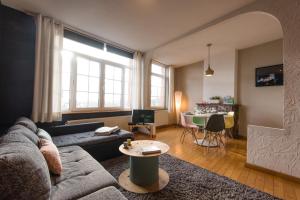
209	71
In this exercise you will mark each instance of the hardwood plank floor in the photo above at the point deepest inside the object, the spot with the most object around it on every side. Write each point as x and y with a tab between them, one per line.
228	161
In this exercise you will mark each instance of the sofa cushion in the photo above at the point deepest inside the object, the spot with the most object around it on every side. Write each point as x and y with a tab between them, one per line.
109	193
23	170
19	129
81	175
51	155
88	138
27	123
42	134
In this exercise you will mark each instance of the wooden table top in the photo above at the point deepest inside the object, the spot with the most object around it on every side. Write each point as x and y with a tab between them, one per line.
136	148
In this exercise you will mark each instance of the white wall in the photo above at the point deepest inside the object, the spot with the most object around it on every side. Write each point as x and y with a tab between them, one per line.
253	99
223	82
189	80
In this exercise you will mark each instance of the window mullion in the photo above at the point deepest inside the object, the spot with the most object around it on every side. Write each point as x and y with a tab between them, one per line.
102	85
122	88
73	83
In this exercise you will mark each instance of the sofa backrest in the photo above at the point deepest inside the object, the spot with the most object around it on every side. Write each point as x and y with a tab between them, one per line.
66	129
24	173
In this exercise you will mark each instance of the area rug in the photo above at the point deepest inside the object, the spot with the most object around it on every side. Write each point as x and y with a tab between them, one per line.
188	182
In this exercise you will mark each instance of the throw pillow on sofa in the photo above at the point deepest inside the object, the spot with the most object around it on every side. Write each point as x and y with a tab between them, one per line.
27	123
51	155
42	134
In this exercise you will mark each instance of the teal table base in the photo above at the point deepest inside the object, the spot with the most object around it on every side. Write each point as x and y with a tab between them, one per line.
144	170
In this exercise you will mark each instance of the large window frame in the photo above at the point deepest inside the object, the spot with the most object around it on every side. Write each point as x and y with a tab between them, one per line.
165	78
101	94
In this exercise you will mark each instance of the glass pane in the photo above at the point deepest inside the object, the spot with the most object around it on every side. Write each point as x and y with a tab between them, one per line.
82	66
117	87
82	99
126	88
154	91
126	76
154	101
66	61
117	73
65	100
82	83
109	86
157	69
109	100
93	100
117	100
157	81
65	81
94	69
93	84
109	72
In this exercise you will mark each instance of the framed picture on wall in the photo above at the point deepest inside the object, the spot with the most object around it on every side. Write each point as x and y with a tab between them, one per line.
269	76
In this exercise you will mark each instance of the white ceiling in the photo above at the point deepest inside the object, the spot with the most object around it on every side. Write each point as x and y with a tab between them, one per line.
136	24
240	32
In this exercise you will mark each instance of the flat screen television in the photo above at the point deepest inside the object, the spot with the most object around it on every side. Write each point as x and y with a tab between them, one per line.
269	76
142	116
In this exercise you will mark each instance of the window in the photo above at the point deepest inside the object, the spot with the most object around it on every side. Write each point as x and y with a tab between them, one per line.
87	83
94	78
158	86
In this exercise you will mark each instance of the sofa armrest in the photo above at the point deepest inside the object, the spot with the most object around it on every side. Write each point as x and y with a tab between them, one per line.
109	193
73	128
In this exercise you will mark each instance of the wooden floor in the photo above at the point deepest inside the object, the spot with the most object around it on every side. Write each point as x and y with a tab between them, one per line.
228	161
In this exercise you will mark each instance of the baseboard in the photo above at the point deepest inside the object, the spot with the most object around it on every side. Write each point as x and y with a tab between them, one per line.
272	172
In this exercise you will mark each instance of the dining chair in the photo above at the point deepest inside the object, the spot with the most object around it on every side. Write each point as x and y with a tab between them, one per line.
187	128
229	124
199	122
214	128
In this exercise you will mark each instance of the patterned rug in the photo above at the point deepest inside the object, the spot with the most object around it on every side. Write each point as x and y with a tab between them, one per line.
188	182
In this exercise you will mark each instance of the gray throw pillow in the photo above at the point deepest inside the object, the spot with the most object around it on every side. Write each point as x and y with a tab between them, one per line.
42	134
27	123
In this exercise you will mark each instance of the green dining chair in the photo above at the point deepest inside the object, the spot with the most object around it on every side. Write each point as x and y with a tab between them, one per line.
199	121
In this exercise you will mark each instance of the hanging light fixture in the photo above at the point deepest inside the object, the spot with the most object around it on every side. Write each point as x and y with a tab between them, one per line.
209	71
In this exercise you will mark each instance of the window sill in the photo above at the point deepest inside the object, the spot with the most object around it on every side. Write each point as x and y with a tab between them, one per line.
94	114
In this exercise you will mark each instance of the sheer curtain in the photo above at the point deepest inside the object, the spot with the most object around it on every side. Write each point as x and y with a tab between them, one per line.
171	104
47	83
146	80
137	80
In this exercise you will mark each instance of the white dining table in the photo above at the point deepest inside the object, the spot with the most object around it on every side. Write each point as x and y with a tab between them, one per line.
206	116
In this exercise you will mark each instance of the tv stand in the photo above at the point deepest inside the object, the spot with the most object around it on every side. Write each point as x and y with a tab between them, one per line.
149	126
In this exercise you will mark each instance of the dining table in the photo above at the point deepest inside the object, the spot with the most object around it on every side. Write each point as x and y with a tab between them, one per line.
205	116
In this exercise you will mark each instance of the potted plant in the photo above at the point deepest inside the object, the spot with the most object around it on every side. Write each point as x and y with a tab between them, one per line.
215	99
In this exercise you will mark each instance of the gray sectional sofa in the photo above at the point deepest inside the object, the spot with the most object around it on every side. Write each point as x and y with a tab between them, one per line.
24	173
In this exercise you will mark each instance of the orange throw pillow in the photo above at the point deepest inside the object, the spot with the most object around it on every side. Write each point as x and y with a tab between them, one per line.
51	155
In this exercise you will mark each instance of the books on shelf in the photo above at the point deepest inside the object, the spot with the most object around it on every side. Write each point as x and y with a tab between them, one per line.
150	150
104	131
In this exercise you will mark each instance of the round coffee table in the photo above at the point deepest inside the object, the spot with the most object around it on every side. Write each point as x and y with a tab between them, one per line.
144	174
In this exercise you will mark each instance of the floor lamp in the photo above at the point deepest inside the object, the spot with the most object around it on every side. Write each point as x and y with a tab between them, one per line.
178	95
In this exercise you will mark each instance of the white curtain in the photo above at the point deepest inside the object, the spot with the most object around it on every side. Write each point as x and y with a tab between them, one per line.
171	104
146	81
47	83
137	80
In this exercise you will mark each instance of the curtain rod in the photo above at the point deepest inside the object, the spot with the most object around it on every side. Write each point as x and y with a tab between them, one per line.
84	33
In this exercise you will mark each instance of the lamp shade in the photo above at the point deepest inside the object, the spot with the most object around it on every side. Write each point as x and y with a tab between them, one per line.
209	71
178	96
